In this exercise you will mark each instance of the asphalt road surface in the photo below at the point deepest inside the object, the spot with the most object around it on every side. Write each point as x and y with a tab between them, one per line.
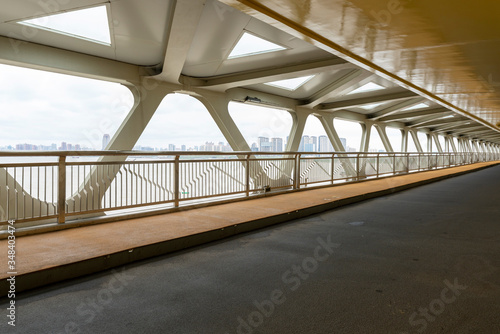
424	260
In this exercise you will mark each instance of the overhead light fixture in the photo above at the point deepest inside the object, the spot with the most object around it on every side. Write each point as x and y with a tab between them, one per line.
252	99
259	102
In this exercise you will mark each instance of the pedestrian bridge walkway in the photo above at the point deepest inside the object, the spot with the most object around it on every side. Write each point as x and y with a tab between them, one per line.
421	261
59	255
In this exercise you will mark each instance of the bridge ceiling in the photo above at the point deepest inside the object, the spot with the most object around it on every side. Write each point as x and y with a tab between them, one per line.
139	29
447	50
414	64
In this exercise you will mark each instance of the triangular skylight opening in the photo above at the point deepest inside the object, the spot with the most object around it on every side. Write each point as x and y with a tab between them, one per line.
417	106
371	105
250	45
290	84
91	24
369	87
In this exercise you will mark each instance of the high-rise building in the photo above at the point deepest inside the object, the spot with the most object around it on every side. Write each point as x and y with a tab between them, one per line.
171	147
105	140
303	142
264	144
308	144
324	144
209	146
344	143
277	145
314	141
266	147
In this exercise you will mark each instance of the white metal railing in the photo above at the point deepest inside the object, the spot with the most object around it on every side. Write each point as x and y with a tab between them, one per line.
57	188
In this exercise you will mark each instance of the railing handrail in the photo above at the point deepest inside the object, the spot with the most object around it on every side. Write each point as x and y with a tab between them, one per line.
208	153
29	192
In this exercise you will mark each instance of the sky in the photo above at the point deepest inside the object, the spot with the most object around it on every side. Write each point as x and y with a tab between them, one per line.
42	108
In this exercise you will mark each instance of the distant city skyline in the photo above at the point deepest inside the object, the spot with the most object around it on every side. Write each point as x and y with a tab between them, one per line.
264	144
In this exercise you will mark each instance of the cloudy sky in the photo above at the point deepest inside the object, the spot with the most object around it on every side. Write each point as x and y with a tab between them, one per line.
42	108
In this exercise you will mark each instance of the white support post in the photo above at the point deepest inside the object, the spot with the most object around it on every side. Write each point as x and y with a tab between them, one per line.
218	107
299	122
452	144
475	145
435	138
381	129
468	145
365	146
366	127
429	142
148	94
331	132
461	146
416	141
404	140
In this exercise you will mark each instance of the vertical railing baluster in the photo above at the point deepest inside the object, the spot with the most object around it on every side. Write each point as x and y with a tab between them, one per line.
407	163
16	199
394	164
61	193
378	164
297	171
358	167
247	176
176	181
31	194
333	168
